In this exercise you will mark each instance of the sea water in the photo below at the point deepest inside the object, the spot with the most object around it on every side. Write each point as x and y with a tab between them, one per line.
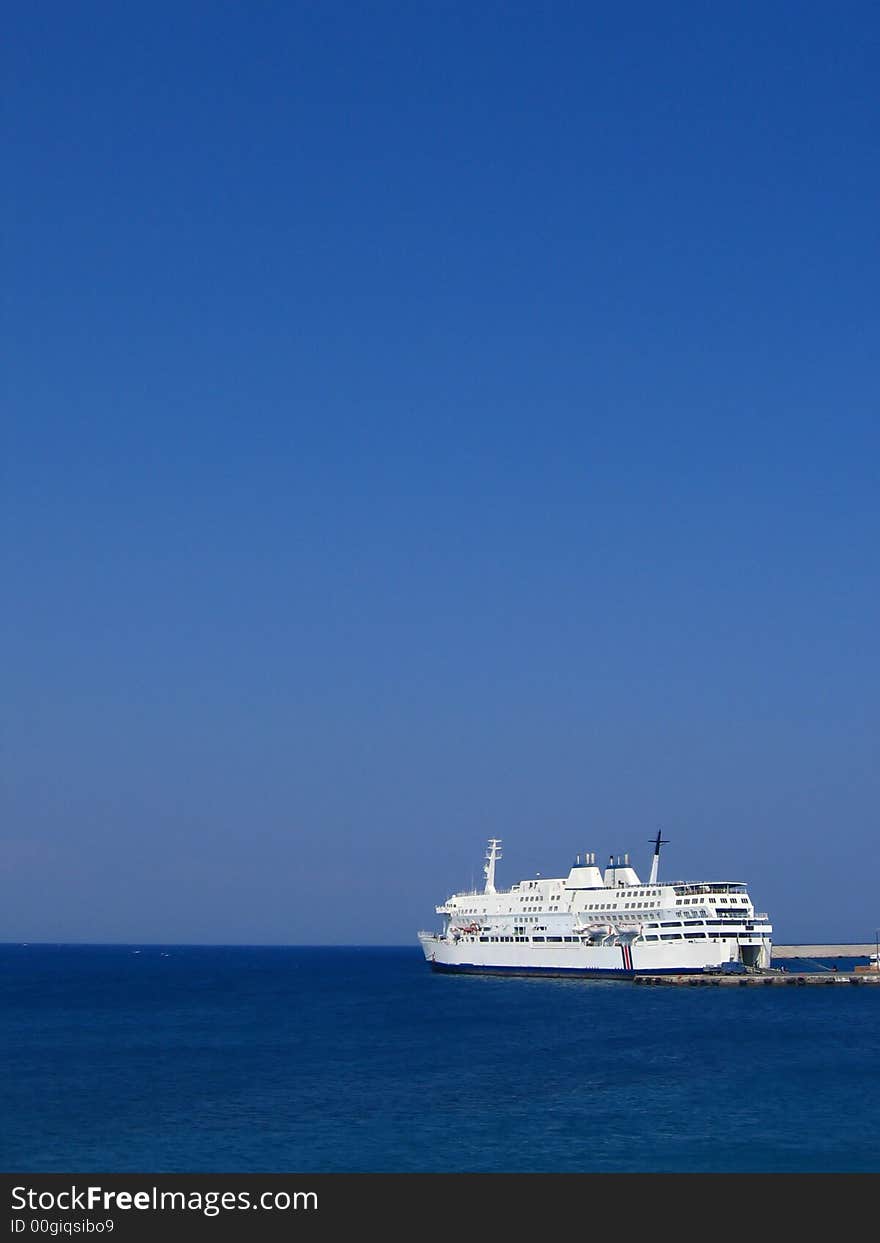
232	1059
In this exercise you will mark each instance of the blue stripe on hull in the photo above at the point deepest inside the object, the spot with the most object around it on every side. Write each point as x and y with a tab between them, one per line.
561	972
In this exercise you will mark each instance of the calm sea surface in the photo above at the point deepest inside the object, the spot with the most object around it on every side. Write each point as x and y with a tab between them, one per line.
185	1059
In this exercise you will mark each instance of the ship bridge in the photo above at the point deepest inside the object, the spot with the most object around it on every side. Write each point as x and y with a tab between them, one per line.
719	886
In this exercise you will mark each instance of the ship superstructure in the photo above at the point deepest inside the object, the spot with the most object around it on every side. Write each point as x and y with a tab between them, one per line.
599	922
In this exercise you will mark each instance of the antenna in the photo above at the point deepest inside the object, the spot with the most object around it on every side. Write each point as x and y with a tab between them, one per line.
658	841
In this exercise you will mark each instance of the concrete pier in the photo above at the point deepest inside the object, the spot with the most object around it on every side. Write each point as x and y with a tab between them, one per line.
823	951
815	979
861	973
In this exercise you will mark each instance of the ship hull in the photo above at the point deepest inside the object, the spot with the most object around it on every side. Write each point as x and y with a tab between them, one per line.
579	959
579	973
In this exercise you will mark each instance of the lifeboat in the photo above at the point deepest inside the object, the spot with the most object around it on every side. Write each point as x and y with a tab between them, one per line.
596	932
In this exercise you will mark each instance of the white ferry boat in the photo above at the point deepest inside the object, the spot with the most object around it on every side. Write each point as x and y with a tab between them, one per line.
591	923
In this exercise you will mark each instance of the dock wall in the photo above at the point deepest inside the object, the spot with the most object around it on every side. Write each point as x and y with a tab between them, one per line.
823	951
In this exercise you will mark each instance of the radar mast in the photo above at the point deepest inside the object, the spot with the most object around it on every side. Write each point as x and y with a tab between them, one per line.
493	854
655	862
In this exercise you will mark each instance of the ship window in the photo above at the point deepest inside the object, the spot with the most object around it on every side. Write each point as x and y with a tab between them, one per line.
652	936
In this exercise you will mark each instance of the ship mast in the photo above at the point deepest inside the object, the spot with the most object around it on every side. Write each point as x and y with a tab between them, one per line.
655	862
493	854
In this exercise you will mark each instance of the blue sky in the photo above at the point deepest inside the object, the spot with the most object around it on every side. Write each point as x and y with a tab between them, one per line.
431	422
